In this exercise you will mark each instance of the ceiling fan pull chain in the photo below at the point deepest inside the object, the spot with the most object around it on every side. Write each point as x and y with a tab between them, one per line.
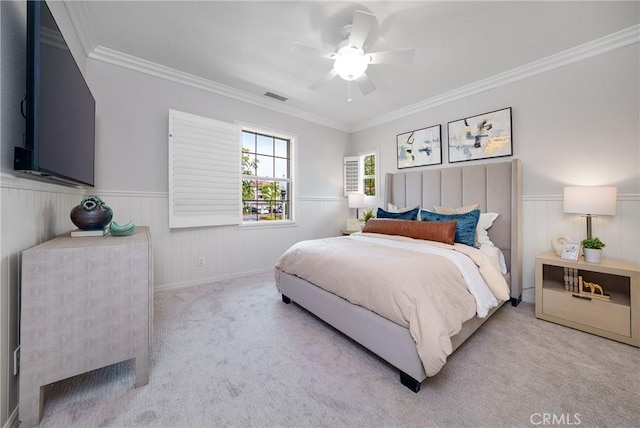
348	91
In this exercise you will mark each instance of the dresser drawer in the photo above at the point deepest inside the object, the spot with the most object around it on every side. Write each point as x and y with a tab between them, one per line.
596	313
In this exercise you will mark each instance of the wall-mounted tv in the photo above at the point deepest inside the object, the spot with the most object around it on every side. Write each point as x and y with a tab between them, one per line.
60	109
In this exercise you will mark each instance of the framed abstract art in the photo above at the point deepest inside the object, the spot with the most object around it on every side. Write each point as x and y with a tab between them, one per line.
419	148
483	136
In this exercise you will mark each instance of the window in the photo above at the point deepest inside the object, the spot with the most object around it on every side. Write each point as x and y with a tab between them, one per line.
361	174
266	177
369	175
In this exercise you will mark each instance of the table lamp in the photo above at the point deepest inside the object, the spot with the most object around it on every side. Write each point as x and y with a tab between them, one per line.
356	200
590	201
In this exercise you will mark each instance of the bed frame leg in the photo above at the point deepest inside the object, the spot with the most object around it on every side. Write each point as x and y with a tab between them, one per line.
409	382
285	299
515	301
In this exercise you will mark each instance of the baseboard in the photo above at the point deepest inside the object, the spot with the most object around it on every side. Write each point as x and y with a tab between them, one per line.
210	280
528	295
13	421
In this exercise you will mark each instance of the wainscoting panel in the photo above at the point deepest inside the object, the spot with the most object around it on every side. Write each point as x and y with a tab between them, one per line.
227	250
31	213
544	219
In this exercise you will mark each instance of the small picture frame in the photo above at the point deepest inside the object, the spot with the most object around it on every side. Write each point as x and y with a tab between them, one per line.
354	224
570	251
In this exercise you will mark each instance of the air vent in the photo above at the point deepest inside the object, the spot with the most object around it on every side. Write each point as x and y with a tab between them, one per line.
275	96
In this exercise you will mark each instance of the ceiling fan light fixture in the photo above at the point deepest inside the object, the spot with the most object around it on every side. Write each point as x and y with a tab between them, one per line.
351	63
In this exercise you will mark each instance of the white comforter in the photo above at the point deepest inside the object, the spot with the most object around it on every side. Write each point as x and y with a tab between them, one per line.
428	287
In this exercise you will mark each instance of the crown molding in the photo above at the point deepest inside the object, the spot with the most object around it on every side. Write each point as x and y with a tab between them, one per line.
81	21
79	15
120	59
587	50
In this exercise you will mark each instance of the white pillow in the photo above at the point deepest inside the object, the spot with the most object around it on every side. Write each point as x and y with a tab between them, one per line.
484	223
495	255
456	210
394	209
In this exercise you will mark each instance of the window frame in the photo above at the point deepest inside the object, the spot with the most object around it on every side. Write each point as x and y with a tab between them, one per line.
291	180
376	177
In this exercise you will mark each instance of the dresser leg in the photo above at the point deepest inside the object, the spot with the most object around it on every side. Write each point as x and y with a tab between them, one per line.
142	369
31	404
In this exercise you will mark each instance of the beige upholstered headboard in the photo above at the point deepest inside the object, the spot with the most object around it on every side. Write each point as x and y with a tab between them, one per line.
497	187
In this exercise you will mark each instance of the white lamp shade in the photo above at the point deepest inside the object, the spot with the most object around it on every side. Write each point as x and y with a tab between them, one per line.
590	200
356	200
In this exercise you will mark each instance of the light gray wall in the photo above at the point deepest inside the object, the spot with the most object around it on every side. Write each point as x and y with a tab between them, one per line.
30	212
562	119
14	68
131	173
575	125
132	131
12	89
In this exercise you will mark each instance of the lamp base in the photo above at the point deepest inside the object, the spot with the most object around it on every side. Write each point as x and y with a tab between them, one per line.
589	226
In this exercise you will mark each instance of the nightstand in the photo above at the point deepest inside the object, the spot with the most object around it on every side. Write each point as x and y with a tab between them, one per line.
617	318
348	232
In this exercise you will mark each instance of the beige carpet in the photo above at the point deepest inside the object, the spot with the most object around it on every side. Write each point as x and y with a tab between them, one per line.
232	354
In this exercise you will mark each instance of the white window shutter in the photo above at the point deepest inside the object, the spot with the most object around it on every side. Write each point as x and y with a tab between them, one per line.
204	171
351	170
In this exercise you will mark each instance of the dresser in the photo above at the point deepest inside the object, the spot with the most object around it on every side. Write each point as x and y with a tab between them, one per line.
86	303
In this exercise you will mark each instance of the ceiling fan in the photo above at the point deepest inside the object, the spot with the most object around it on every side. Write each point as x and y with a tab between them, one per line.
350	59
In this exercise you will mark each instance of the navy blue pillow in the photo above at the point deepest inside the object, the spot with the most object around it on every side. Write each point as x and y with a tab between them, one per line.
465	227
407	215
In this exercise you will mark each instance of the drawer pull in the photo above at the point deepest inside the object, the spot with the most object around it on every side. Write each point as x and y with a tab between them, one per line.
581	297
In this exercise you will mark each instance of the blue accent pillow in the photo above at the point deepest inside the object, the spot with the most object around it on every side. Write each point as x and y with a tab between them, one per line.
407	215
465	226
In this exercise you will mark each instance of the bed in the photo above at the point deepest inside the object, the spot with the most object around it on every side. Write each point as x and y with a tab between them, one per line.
496	187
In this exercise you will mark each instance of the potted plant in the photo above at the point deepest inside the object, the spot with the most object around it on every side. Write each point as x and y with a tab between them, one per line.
592	248
368	214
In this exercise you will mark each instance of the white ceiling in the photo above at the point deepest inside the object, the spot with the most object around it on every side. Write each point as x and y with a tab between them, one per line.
245	44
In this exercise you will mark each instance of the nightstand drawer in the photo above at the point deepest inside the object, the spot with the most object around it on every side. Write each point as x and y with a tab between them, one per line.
601	314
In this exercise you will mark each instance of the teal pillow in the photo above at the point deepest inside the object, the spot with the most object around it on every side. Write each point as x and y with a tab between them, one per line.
407	215
465	226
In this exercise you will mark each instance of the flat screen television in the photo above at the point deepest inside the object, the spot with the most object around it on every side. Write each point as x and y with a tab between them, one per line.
60	109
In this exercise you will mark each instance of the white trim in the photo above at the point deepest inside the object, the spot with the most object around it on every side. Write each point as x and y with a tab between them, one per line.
11	181
12	421
131	194
587	50
81	21
376	154
269	224
293	159
323	198
111	56
633	197
596	47
528	295
209	281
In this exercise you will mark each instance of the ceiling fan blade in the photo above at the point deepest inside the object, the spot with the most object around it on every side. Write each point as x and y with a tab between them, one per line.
365	84
392	57
308	50
362	22
323	80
